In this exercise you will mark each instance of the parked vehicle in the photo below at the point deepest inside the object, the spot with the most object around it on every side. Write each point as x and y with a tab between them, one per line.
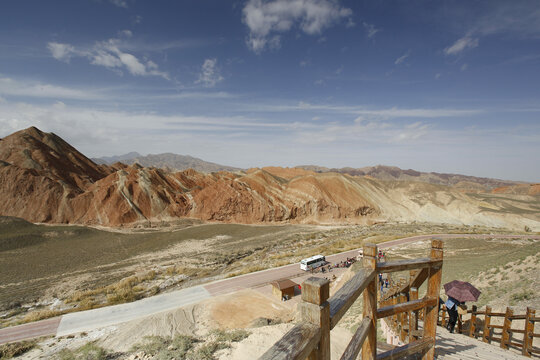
312	262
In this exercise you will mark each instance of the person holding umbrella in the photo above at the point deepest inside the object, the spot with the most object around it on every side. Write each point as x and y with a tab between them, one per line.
452	305
458	293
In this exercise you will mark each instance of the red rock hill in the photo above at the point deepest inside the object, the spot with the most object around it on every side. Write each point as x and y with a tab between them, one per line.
44	179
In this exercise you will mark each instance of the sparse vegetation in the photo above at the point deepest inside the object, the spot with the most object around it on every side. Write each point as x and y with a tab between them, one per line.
40	315
7	351
89	351
166	348
188	347
521	296
230	336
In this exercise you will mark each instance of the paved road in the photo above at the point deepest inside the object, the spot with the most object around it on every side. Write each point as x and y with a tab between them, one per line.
29	331
110	315
93	319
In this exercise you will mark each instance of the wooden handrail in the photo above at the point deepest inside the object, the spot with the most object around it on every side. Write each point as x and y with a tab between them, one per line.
418	346
406	306
347	295
507	332
296	344
355	345
497	314
319	313
409	264
518	317
415	282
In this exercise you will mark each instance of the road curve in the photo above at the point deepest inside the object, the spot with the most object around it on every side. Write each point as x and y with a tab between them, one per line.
110	315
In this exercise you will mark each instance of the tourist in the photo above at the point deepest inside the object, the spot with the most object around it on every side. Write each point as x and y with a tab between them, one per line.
452	305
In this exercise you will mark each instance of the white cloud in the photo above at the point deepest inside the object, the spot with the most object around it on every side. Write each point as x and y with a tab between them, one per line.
370	29
133	64
246	141
402	58
196	95
103	58
264	18
438	76
62	52
464	67
381	113
125	33
110	55
11	87
119	3
466	42
209	75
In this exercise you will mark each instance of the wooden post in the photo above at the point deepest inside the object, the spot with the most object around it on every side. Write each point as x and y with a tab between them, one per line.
529	332
413	316
369	349
315	310
395	319
459	324
486	336
472	329
434	287
403	320
443	316
505	337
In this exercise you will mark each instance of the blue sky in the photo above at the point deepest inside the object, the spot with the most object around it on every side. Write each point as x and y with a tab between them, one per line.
446	86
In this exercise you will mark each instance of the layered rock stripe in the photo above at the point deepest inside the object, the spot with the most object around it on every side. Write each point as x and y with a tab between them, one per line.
45	179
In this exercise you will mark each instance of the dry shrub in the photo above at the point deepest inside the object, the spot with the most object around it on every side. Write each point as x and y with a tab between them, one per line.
89	351
121	295
138	288
171	270
8	351
40	315
247	270
166	348
149	276
79	295
87	304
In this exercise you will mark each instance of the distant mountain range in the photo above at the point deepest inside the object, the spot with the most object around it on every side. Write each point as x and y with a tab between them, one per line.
382	172
170	161
167	161
109	160
45	179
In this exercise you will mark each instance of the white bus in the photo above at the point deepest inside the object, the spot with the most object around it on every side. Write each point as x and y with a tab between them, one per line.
312	262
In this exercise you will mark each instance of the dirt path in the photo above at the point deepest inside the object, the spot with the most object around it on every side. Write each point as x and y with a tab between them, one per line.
92	319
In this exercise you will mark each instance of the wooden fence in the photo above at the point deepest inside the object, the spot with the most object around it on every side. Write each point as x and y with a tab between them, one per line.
319	314
403	291
486	330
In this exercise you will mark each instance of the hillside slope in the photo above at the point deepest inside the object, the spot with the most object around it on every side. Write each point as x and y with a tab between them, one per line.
44	179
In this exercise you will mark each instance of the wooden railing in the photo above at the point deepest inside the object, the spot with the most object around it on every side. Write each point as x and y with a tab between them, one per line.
406	326
319	314
486	333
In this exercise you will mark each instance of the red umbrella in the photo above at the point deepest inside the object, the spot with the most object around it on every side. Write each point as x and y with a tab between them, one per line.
461	291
